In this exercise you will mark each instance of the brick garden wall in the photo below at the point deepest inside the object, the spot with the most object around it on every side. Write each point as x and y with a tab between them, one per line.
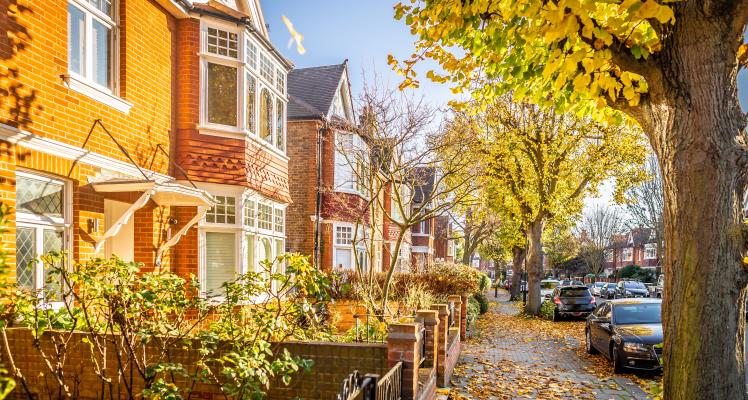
332	363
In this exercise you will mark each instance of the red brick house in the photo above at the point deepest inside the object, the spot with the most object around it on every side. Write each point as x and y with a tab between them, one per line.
638	247
331	214
87	131
444	245
423	234
230	139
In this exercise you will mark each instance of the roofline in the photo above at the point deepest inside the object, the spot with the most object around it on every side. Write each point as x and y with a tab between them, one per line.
246	21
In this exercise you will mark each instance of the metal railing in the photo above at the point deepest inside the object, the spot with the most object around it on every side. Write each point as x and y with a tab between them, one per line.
372	386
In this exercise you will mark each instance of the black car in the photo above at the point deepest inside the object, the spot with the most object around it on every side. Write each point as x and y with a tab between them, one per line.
608	291
627	332
630	289
576	301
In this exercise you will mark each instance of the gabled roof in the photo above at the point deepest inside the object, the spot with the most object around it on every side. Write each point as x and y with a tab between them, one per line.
311	91
423	179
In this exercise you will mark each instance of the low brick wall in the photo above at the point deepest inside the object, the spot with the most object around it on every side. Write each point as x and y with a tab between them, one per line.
453	353
332	363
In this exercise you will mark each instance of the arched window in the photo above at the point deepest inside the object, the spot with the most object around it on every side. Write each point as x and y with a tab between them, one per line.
251	103
266	115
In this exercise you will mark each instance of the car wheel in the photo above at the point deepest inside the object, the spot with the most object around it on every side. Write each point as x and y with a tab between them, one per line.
616	358
588	343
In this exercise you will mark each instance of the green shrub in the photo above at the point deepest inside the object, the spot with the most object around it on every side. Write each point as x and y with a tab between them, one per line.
485	283
547	309
473	310
482	302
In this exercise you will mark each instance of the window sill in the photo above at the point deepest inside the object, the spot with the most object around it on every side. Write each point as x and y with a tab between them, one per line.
236	133
90	90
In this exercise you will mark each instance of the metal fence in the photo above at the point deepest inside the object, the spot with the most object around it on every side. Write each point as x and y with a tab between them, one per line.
372	386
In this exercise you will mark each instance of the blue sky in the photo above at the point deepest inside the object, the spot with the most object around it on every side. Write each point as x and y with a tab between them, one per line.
364	32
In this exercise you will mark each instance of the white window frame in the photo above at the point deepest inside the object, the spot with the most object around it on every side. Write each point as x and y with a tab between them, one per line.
39	224
237	212
627	254
203	256
84	83
355	247
243	67
650	251
346	178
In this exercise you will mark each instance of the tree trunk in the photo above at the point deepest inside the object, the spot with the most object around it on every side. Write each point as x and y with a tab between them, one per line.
693	126
518	258
534	266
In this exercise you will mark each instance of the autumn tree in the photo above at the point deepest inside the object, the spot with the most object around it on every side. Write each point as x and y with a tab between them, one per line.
596	232
644	203
559	245
406	176
672	67
475	224
545	163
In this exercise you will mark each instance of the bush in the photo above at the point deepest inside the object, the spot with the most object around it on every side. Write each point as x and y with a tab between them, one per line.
473	310
482	302
547	309
485	283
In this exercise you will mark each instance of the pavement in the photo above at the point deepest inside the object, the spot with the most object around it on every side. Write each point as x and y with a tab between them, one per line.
516	362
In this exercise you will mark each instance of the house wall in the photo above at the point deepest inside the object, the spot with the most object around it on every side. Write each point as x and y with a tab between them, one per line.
34	68
302	150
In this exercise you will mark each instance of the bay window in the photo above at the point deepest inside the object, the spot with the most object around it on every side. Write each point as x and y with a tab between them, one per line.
265	217
41	213
251	102
222	94
224	212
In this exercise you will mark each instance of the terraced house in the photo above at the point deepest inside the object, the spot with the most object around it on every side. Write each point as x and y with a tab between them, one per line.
153	130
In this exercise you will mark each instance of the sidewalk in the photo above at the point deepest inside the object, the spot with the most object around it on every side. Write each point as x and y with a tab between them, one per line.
511	357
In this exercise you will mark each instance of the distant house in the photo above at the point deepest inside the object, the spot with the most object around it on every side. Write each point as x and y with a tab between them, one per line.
444	245
638	247
423	234
329	217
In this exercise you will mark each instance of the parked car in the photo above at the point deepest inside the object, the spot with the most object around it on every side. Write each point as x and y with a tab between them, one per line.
596	287
547	286
608	291
576	301
630	289
627	331
569	282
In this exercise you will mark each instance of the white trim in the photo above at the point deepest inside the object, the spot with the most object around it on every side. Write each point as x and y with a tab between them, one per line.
123	219
41	144
421	249
87	88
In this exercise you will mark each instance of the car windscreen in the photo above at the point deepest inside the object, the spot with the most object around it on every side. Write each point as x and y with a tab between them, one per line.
637	313
548	285
634	285
575	292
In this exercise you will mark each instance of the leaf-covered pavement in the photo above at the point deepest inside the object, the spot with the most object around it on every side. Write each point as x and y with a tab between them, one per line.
509	356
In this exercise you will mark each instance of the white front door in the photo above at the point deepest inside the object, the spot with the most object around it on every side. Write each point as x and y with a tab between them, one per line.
123	243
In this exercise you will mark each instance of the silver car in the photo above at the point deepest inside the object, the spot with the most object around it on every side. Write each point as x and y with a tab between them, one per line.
595	288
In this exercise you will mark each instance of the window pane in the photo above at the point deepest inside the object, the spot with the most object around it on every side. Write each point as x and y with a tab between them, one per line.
251	260
25	244
280	81
222	94
249	213
279	221
266	116
266	68
104	5
224	212
101	54
251	103
251	55
223	43
280	118
265	217
220	263
343	258
39	197
76	29
53	241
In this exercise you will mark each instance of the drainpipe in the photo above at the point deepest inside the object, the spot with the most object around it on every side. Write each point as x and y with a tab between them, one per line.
318	204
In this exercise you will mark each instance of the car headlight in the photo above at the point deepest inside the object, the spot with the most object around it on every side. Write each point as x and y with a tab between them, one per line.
635	347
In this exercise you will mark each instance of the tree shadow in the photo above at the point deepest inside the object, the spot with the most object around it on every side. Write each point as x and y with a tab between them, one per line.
17	105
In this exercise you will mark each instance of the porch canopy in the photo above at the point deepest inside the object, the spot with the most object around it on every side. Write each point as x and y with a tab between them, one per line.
168	193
